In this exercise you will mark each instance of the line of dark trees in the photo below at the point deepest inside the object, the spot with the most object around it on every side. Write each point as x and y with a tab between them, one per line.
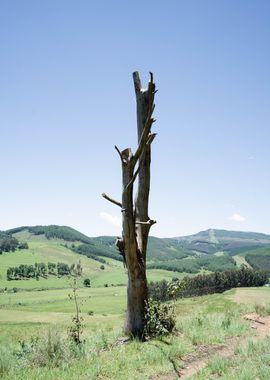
10	244
259	261
203	284
92	251
194	265
53	231
37	270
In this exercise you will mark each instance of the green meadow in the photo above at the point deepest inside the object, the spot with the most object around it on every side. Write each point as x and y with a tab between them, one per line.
208	320
44	250
36	315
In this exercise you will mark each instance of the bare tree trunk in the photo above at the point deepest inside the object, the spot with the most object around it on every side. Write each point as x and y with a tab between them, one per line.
136	222
144	100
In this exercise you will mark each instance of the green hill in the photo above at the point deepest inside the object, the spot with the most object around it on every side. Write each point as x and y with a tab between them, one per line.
58	244
209	250
53	231
102	246
230	242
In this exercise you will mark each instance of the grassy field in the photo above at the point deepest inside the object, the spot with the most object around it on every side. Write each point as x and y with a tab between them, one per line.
207	320
44	250
100	300
34	323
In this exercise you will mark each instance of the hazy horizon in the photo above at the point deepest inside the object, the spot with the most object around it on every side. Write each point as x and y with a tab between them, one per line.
175	236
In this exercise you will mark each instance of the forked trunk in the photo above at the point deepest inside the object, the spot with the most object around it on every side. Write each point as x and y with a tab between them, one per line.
136	222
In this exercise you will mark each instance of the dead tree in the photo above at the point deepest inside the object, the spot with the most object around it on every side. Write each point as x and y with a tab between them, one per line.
136	222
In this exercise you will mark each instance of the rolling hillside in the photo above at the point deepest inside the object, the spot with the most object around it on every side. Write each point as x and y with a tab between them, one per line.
59	246
209	250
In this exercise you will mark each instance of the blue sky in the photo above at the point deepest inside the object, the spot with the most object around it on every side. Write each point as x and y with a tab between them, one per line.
66	98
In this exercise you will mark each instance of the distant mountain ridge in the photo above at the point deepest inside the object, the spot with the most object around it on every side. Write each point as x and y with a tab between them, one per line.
207	242
231	242
211	250
226	234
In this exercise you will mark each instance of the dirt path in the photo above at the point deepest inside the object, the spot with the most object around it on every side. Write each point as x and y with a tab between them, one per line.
197	360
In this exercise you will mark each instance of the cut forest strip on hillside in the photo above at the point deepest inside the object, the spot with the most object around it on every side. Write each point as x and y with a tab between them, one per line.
196	264
167	258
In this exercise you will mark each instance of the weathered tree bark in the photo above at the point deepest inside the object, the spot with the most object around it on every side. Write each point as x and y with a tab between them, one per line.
136	222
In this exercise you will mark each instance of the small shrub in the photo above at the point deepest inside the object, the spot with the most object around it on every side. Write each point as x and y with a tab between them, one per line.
87	282
26	347
90	312
102	267
47	351
160	318
76	329
51	351
159	291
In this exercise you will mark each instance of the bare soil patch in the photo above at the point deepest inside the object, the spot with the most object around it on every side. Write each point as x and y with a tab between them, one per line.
197	360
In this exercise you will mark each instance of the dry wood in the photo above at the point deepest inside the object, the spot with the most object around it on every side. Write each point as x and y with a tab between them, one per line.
254	320
136	223
111	200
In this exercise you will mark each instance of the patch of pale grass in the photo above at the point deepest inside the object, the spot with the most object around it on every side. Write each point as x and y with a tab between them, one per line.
212	328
